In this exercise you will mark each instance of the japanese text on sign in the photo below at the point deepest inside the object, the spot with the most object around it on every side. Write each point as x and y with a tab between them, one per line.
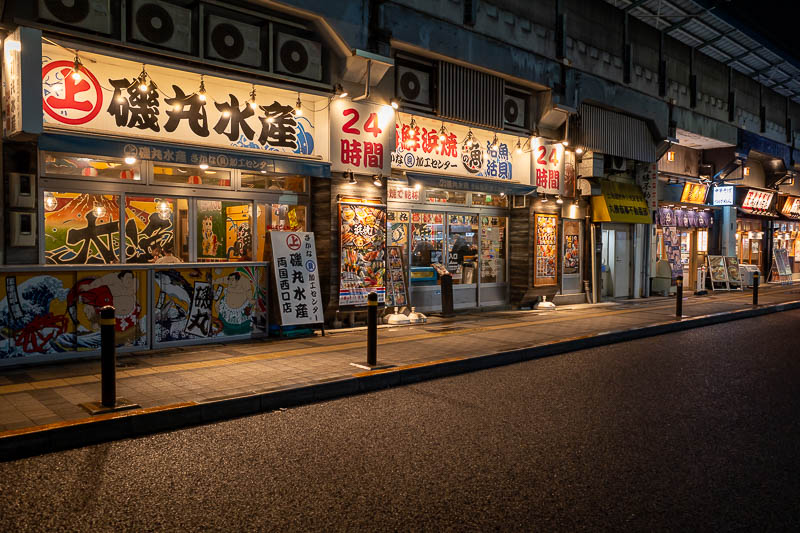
296	277
361	137
548	166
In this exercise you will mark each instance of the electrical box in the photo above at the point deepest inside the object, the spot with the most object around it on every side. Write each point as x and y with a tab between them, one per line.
22	229
21	190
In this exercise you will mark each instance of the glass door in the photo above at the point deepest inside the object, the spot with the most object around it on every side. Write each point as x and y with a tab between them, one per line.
462	248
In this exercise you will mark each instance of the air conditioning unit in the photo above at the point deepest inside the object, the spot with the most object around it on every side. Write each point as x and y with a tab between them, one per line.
614	163
161	24
515	109
233	41
298	57
413	85
87	15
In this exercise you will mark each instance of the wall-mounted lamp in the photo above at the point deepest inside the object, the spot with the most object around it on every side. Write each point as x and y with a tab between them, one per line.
395	103
746	171
376	180
670	156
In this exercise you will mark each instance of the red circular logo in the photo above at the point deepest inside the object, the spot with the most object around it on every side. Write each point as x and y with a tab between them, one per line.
293	241
67	100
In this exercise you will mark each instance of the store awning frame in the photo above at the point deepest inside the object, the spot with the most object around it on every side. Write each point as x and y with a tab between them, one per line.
161	152
471	184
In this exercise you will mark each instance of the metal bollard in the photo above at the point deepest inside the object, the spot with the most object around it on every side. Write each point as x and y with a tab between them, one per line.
372	329
755	287
679	297
447	295
108	357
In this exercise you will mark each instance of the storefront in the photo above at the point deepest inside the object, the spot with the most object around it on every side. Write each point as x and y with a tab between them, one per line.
684	220
154	192
448	209
786	234
621	215
756	212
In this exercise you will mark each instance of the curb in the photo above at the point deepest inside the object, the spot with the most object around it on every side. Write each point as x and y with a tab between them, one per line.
139	422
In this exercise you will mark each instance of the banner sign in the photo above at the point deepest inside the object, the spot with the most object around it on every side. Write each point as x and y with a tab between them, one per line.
694	193
683	218
294	257
672	246
548	166
757	200
620	202
119	97
361	137
426	145
791	207
362	248
722	195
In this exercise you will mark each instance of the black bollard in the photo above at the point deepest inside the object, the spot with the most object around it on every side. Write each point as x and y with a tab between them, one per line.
679	297
372	329
755	287
447	295
108	357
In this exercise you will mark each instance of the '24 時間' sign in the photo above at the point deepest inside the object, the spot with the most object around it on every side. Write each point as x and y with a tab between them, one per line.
108	98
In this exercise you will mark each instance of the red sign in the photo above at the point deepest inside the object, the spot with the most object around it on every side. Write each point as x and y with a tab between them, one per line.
71	101
548	164
361	137
760	200
293	242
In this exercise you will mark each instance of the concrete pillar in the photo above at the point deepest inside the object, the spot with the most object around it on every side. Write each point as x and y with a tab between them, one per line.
728	231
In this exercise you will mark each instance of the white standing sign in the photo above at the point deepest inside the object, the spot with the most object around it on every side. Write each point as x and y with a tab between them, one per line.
362	137
297	285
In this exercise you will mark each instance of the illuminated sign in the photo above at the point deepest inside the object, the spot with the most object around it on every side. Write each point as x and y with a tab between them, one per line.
759	200
722	195
694	193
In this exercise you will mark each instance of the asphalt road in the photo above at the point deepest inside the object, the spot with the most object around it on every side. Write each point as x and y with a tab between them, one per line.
690	431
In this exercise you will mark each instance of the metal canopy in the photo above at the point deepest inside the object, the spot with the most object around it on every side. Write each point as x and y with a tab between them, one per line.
699	27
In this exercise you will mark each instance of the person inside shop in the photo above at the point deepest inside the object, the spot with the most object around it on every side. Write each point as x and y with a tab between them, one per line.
422	253
169	255
155	253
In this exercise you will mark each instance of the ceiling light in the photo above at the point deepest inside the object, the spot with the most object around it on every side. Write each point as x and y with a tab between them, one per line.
203	166
130	160
559	201
578	150
376	181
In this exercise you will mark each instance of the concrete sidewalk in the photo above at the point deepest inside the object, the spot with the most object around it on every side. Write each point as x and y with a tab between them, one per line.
39	407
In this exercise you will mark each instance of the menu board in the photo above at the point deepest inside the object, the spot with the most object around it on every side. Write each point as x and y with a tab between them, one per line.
756	199
362	238
733	270
572	244
782	262
717	269
545	233
294	257
397	286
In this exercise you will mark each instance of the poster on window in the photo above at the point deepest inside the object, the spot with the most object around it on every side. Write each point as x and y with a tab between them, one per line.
572	247
297	284
672	248
362	137
362	234
177	106
397	285
224	231
546	236
548	167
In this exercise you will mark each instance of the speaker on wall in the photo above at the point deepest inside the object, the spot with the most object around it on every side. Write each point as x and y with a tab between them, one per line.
162	24
87	15
298	57
233	41
413	85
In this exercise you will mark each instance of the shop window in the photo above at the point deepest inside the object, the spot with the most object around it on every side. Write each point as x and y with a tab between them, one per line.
493	249
427	239
224	231
81	229
442	196
493	200
273	182
278	217
462	248
191	175
108	168
156	230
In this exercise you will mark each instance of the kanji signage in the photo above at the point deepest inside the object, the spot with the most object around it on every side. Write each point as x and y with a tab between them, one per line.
402	193
113	96
424	146
361	137
757	200
791	207
722	195
548	167
297	283
694	193
362	233
22	106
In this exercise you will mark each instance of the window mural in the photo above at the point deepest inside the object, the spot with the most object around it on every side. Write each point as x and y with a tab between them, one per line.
81	228
224	231
149	228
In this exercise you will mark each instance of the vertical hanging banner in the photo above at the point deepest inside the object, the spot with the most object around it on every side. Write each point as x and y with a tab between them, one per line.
546	234
362	247
362	137
294	259
22	102
548	167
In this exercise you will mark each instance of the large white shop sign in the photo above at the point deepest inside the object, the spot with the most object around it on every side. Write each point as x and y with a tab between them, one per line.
108	98
424	145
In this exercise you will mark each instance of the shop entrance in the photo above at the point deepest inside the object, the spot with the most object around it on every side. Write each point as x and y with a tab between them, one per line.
616	261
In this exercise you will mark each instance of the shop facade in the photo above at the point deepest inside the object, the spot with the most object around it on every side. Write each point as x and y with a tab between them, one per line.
754	224
787	232
151	188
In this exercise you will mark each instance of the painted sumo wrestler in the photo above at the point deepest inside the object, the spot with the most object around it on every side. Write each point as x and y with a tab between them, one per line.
117	289
235	308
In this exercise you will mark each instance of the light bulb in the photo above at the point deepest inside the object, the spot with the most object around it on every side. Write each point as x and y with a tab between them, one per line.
76	75
99	211
143	87
120	99
578	150
226	113
394	103
298	111
177	107
129	160
202	96
253	105
203	166
442	138
50	202
270	119
417	186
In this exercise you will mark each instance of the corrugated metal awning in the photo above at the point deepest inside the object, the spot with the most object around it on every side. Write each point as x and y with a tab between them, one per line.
608	132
